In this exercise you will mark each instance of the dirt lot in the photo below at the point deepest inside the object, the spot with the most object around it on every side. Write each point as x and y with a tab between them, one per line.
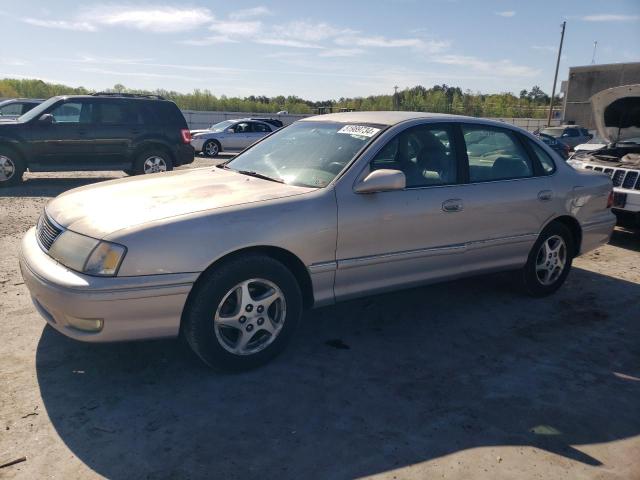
468	379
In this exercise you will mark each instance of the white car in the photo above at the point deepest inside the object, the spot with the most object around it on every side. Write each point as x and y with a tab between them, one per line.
617	115
230	135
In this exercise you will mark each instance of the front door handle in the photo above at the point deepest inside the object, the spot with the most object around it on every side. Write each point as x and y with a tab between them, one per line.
453	205
545	195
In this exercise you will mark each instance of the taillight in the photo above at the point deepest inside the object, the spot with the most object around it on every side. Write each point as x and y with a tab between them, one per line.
610	200
186	135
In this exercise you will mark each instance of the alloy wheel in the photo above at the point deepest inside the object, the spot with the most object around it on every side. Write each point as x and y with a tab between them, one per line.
7	168
551	260
250	316
154	164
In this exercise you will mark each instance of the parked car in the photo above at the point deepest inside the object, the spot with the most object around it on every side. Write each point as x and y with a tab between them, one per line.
617	116
571	135
15	107
230	136
596	143
330	208
556	145
272	121
135	133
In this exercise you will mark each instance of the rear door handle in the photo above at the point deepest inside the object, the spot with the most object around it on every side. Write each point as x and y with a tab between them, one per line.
545	195
453	205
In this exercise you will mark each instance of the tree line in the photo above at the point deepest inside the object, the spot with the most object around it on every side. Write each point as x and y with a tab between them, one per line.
439	99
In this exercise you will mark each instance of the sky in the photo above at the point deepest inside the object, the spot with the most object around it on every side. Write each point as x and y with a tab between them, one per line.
316	50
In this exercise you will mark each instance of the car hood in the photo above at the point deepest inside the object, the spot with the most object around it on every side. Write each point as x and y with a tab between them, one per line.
104	208
616	112
589	147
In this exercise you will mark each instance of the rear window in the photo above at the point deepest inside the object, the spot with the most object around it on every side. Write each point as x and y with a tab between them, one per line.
161	112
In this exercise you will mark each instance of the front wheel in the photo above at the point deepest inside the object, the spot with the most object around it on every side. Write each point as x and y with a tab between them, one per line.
11	168
549	261
243	313
211	148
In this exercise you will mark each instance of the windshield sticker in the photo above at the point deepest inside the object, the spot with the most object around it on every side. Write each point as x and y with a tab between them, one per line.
359	130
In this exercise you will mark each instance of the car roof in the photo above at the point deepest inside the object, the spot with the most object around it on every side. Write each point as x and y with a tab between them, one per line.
21	100
382	118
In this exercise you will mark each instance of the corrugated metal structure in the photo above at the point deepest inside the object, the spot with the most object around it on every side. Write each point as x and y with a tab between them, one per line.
588	80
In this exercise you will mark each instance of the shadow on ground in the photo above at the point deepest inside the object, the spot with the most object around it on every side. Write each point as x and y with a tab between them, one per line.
628	238
49	186
367	386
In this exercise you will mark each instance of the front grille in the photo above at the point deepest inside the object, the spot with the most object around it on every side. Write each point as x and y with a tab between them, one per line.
597	169
609	171
630	180
617	178
47	232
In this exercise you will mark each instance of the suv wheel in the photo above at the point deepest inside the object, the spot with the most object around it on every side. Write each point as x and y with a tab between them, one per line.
549	261
153	161
11	167
243	313
211	148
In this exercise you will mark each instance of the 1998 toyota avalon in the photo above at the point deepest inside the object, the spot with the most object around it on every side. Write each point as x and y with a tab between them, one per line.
330	208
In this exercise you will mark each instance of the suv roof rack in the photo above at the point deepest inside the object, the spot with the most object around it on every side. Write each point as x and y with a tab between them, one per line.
128	95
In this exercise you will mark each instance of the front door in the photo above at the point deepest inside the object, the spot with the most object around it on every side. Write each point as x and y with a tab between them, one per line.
241	138
118	125
68	142
402	238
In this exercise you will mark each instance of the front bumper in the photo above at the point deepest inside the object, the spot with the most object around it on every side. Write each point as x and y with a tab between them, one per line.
127	308
197	144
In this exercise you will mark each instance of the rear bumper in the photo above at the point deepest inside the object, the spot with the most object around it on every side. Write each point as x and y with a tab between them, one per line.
126	308
184	154
596	234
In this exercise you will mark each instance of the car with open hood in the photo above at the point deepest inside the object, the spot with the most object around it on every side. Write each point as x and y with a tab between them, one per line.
617	117
330	208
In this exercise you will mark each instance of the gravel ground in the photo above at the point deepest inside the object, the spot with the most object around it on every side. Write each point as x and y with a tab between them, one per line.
468	379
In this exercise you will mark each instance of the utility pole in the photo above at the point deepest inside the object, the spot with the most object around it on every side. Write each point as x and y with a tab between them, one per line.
555	78
396	103
593	57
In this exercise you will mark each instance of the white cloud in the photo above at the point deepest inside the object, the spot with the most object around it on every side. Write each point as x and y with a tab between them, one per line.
158	19
611	17
501	67
283	42
430	46
506	13
306	31
341	52
61	24
249	13
211	40
232	28
547	48
119	73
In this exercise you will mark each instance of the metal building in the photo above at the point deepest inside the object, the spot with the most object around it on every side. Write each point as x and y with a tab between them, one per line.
588	80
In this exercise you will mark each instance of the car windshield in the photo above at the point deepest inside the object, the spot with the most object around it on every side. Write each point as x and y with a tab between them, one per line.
308	154
37	111
554	132
221	127
597	139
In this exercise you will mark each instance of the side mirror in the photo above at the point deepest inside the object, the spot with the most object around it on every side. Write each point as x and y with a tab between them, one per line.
383	180
46	119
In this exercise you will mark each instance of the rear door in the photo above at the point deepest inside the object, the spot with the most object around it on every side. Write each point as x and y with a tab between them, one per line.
508	198
118	124
67	143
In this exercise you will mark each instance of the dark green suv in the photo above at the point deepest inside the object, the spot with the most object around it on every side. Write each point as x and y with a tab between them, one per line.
139	134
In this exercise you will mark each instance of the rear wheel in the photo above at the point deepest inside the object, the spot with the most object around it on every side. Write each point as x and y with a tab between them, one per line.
153	161
243	313
12	167
549	261
211	148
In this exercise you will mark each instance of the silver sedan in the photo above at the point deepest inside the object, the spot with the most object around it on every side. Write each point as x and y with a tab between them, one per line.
330	208
229	136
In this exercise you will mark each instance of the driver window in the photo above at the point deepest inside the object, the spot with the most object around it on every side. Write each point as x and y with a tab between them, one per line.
425	154
242	128
73	112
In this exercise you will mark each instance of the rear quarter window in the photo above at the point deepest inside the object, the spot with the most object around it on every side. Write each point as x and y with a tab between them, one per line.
160	112
547	163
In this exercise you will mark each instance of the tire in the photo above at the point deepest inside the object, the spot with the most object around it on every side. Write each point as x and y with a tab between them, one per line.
152	161
549	261
12	167
211	149
228	333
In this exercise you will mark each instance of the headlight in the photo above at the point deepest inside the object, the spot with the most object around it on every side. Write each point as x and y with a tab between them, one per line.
87	255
